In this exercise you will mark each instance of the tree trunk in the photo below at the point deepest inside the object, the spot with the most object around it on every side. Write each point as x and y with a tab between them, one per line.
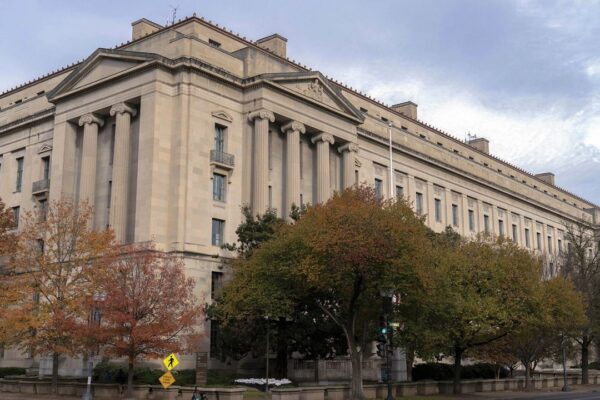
281	360
356	386
528	376
55	357
317	370
585	355
497	372
129	393
458	352
410	359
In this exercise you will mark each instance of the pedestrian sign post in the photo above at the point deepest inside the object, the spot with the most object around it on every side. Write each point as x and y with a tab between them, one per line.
171	361
167	379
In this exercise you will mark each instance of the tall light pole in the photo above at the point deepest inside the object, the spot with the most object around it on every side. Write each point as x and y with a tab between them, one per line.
94	320
267	356
391	161
389	346
565	387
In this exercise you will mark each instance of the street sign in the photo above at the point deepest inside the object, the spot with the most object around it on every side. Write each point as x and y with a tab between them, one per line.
171	361
167	380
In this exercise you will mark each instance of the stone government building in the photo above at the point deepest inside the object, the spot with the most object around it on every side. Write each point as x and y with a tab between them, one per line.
170	133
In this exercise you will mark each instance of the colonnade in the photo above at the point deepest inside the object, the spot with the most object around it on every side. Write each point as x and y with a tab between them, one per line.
293	130
91	124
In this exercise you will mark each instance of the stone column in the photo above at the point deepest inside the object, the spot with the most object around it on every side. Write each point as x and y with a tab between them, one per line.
465	216
89	153
449	210
120	170
292	185
348	152
323	140
410	188
260	162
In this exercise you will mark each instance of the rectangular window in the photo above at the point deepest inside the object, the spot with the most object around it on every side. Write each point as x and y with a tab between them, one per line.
219	138
419	203
218	227
43	205
514	233
356	177
399	191
539	240
214	43
472	220
218	187
501	227
486	223
560	251
527	239
216	283
549	244
454	215
214	339
19	182
379	188
551	269
16	215
46	168
438	210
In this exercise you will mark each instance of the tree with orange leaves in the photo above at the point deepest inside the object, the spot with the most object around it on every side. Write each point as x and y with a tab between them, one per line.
53	274
9	297
149	307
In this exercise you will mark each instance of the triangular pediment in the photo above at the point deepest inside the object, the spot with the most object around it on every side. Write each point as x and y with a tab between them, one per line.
222	115
44	148
314	87
101	66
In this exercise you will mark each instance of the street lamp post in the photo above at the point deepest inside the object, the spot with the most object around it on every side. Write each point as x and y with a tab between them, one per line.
94	320
387	309
565	387
267	357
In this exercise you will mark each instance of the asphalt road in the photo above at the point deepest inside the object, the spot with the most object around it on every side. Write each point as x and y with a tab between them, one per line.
584	394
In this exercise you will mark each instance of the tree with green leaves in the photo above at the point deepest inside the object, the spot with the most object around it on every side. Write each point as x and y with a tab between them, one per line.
338	258
581	263
474	293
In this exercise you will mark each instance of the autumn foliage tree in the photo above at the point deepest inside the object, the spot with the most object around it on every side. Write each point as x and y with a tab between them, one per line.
53	272
9	293
149	308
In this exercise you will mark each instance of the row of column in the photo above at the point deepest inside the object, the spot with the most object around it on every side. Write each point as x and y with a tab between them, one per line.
120	171
293	130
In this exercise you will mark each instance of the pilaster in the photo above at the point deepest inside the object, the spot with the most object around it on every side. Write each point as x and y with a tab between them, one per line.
323	140
260	184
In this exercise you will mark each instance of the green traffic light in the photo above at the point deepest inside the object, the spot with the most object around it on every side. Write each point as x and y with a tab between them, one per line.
383	331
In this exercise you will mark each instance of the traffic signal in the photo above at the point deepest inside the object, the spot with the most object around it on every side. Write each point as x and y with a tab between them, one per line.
383	328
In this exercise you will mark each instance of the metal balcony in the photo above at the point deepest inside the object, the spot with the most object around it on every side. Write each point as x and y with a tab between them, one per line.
39	187
223	159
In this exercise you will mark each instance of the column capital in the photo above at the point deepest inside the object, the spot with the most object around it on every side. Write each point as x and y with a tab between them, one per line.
90	118
121	108
349	147
293	126
323	137
262	114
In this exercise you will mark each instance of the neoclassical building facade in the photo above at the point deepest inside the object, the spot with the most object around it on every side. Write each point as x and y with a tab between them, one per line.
169	134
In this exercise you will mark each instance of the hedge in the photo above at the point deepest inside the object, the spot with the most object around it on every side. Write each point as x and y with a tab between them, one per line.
445	372
6	371
107	372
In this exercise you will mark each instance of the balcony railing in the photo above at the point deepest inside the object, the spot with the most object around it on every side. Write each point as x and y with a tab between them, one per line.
222	158
40	186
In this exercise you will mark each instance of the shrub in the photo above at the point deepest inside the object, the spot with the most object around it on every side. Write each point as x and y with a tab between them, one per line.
593	365
445	372
6	371
107	372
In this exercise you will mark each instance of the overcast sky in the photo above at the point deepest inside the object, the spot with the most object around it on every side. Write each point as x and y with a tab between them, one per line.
524	74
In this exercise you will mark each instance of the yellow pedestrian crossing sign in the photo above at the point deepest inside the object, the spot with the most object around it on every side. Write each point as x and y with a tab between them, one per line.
171	361
167	379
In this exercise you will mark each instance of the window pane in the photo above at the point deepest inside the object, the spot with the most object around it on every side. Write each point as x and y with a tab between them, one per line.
219	138
486	223
379	188
399	191
454	214
471	220
501	227
514	233
218	187
419	203
217	232
19	174
438	210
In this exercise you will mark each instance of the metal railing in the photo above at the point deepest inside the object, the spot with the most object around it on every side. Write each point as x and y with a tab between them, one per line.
40	186
222	158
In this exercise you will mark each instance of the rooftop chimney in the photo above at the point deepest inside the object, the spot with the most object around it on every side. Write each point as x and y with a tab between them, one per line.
481	144
547	177
275	43
407	108
143	27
